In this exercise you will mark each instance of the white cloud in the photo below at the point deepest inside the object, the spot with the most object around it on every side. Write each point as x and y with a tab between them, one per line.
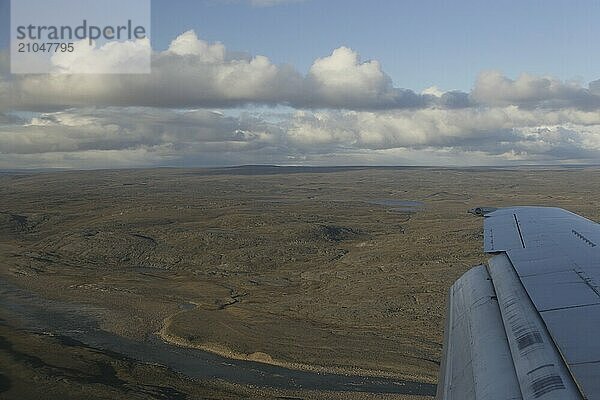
429	127
493	88
148	136
433	91
190	73
188	44
344	110
133	128
195	73
121	57
342	78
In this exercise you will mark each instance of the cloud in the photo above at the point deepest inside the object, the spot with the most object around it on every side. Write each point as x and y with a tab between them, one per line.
429	127
194	73
341	80
493	88
129	128
125	57
343	110
123	137
595	87
149	136
188	44
190	73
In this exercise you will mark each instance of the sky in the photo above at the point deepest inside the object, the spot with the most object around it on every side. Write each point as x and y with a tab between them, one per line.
320	82
419	43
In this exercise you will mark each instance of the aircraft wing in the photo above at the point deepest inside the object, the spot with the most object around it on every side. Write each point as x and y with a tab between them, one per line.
527	324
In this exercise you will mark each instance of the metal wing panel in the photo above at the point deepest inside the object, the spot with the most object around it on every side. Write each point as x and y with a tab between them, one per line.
501	233
539	227
477	363
587	375
534	261
576	331
540	369
557	290
559	266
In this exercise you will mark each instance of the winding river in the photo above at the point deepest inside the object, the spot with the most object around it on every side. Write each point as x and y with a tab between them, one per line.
80	323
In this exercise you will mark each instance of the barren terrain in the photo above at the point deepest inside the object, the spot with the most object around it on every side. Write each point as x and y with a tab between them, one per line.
336	270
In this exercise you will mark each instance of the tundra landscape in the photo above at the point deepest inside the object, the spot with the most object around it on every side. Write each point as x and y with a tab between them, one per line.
244	282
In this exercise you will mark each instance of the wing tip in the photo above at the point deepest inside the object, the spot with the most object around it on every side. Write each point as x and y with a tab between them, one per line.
482	211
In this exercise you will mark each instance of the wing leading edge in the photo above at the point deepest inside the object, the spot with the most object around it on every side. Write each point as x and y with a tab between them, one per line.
537	301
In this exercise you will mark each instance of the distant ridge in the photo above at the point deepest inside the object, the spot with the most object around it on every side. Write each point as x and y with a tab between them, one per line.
272	169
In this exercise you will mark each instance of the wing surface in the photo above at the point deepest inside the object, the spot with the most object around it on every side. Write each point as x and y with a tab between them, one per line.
546	280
